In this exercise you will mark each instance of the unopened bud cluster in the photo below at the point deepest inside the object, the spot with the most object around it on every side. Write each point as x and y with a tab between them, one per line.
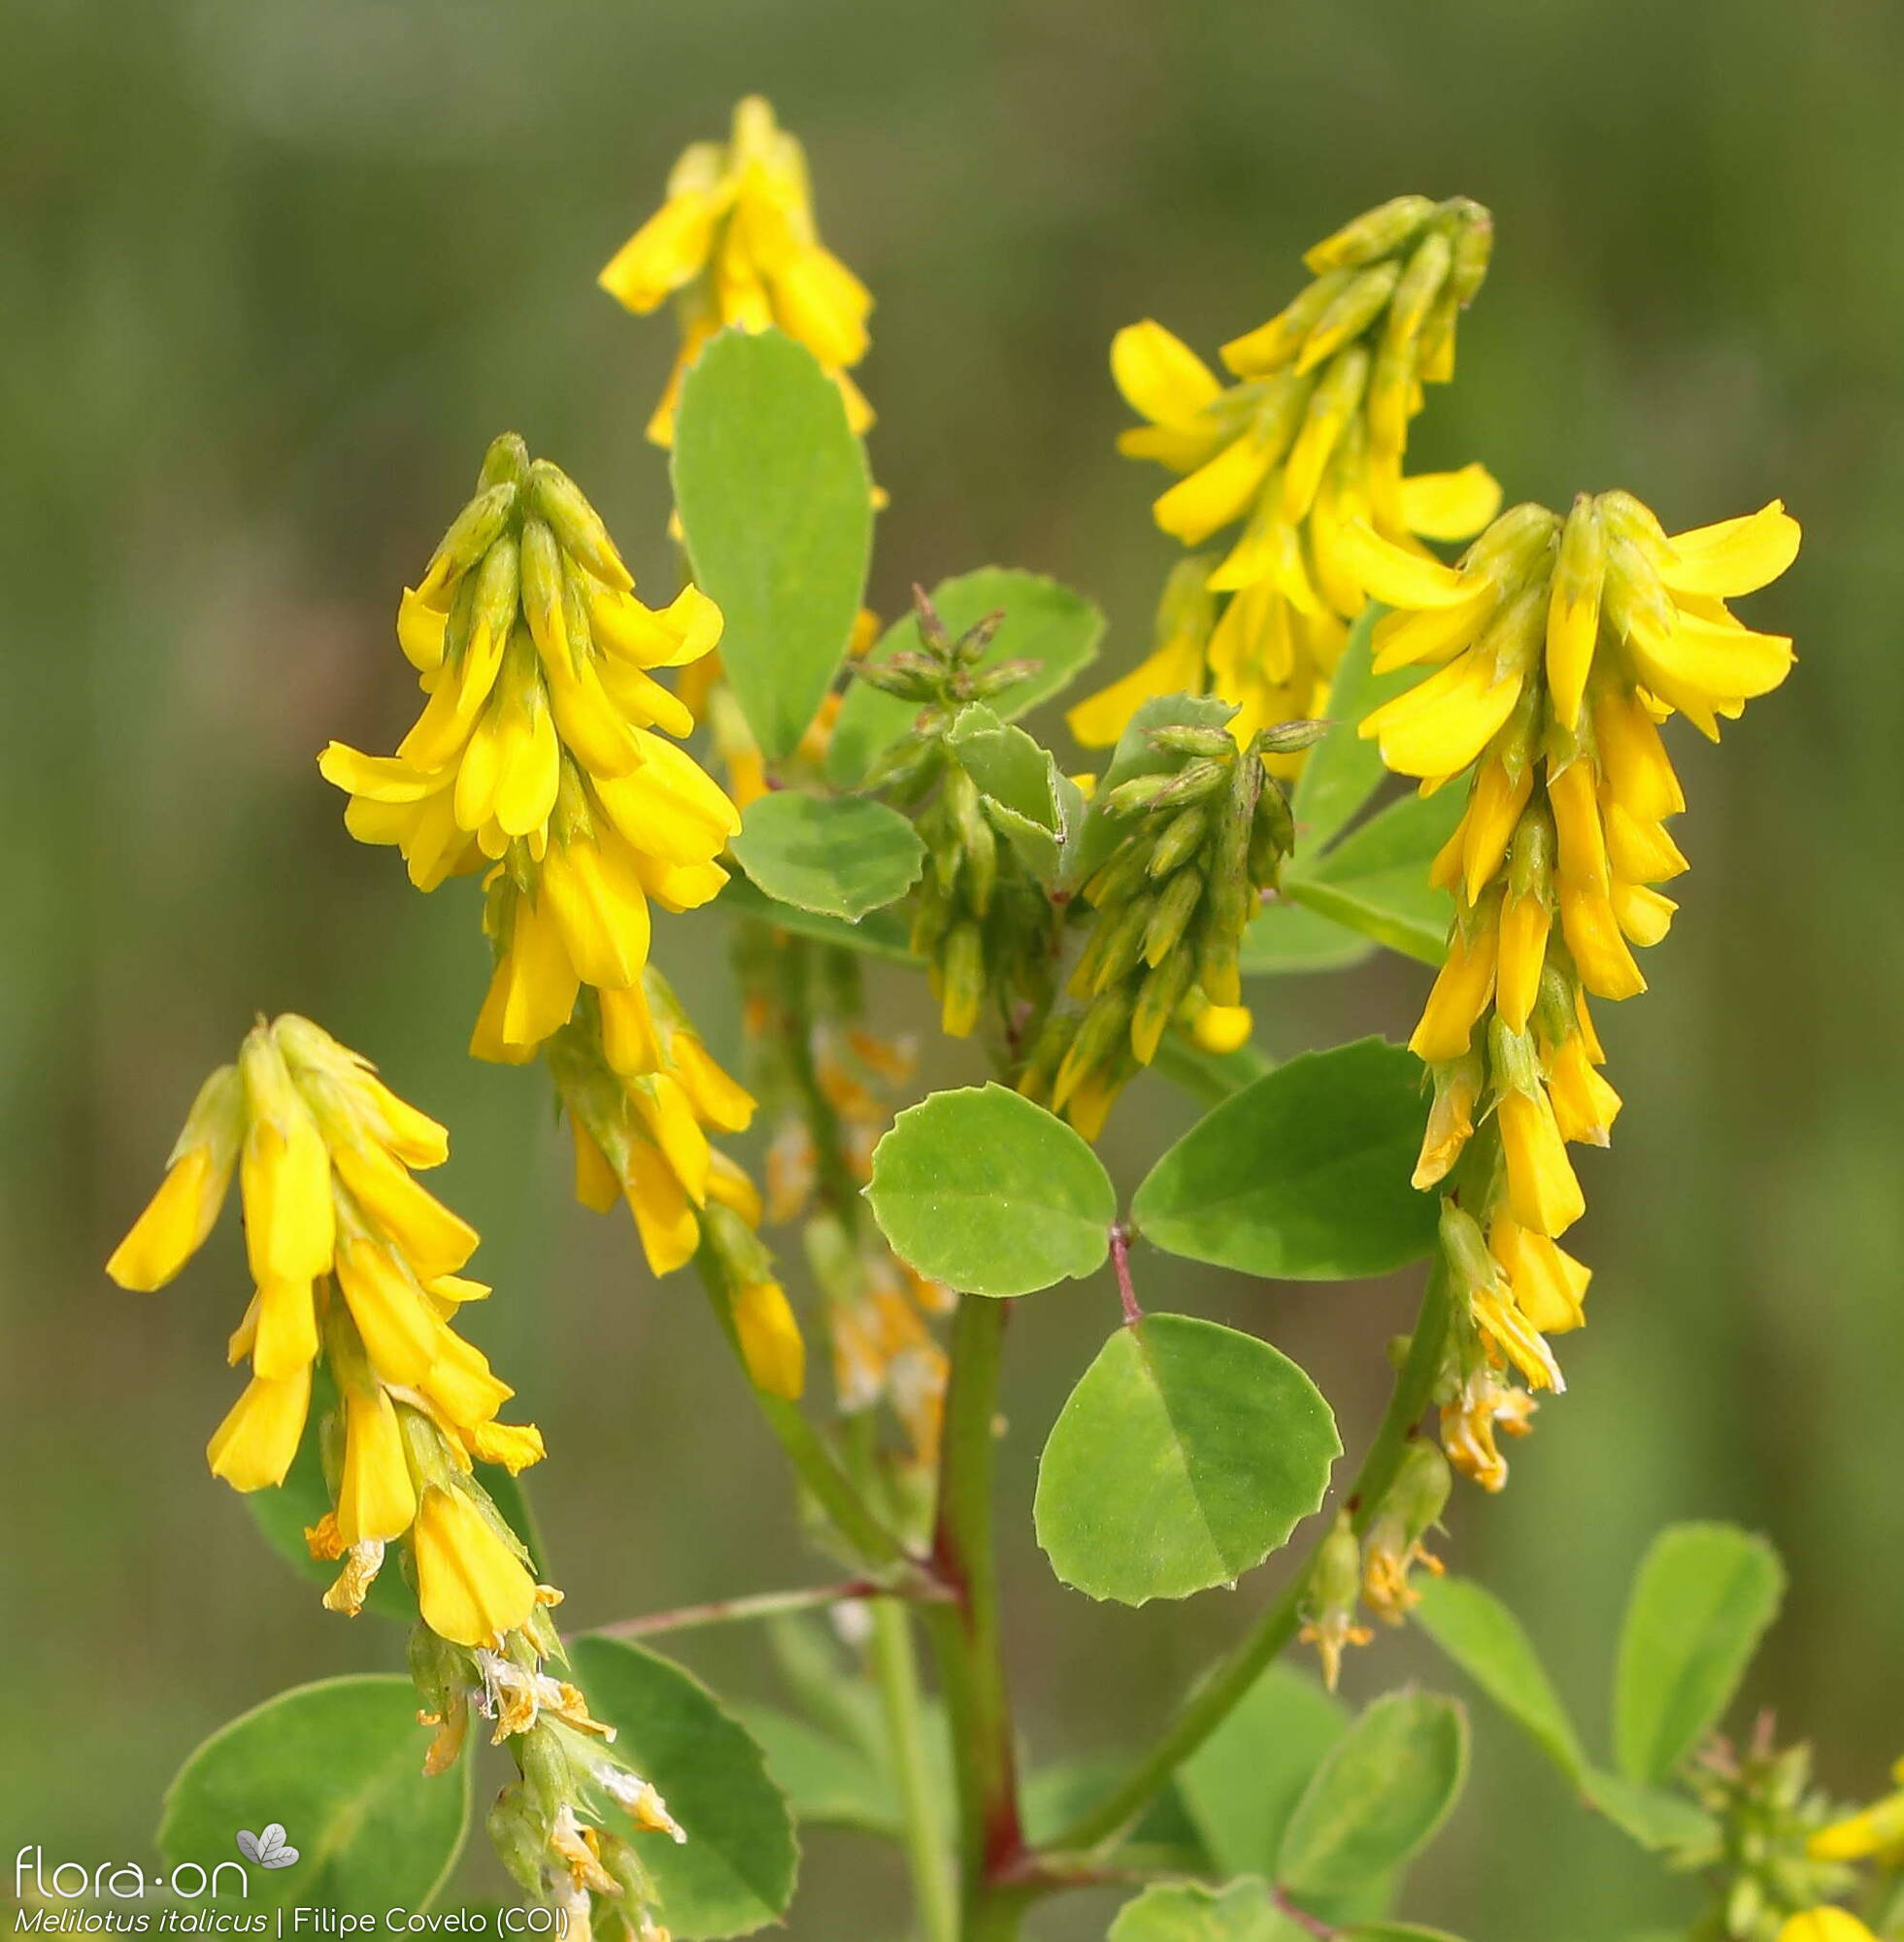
1308	439
1201	838
979	921
1773	1859
1557	646
357	1292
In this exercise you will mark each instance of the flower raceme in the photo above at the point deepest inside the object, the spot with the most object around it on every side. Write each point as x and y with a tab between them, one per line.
357	1267
1308	440
357	1278
1557	647
537	755
734	244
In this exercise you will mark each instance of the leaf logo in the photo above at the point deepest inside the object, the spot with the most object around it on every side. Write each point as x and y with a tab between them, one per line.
268	1850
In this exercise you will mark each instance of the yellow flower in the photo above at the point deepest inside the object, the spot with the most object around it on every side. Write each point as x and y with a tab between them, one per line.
1826	1924
771	1343
1305	446
735	242
471	1586
1549	653
537	753
1876	1830
252	1448
644	1138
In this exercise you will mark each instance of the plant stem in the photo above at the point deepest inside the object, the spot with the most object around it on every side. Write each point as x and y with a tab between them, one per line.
895	1669
1206	1709
965	1634
839	1192
767	1605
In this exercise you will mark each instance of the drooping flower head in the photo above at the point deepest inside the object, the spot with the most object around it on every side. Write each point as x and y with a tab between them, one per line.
537	755
357	1293
734	244
1308	439
1557	647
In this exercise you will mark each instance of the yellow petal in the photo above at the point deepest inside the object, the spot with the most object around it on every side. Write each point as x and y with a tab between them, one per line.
771	1344
1215	493
1450	505
1606	966
433	1240
1643	914
253	1447
719	1100
1431	634
174	1223
663	253
1440	725
460	1382
1461	993
538	982
1161	378
1543	1189
376	1499
1734	556
400	1331
730	1186
1826	1924
595	1184
665	1110
664	1217
1525	925
1396	576
471	1586
285	1336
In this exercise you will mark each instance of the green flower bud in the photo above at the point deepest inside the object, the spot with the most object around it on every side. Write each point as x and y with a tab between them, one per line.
1183	836
1287	738
1172	915
1162	991
1352	313
469	536
505	463
576	523
1376	233
1474	247
1419	284
963	980
520	1836
1186	739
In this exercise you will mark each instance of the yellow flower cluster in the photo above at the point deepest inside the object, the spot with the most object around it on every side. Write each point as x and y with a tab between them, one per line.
536	754
1558	645
1308	441
356	1266
734	244
356	1271
1874	1833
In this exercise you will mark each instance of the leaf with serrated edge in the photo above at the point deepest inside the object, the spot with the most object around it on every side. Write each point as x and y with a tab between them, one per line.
1186	1455
1303	1176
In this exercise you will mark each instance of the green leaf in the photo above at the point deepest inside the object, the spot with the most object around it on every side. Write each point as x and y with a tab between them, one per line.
777	506
734	1873
1242	1785
827	1782
1210	1076
1486	1641
1186	1453
1304	1176
1380	1795
1342	771
877	934
1036	809
1658	1821
991	1194
1183	1912
1286	937
1043	623
1136	754
1702	1600
1376	879
839	856
340	1766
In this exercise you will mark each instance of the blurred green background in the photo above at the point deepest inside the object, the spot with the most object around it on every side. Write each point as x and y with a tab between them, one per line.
275	271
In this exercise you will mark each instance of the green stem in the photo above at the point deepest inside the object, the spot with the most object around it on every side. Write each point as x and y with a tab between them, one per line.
965	1633
1206	1709
769	1605
839	1192
895	1669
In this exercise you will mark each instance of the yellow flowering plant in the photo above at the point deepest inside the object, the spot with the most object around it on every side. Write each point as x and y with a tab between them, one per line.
896	835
